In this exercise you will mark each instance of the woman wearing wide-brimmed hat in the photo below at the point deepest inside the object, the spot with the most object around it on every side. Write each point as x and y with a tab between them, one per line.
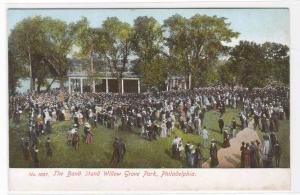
89	134
213	151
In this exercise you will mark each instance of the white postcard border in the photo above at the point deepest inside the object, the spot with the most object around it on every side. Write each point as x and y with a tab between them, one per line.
224	174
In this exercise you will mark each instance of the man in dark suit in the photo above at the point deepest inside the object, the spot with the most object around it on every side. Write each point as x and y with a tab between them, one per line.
277	153
187	151
115	155
197	157
256	119
243	149
48	148
121	149
221	124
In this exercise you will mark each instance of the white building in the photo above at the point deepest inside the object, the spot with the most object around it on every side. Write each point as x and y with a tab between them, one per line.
178	82
103	82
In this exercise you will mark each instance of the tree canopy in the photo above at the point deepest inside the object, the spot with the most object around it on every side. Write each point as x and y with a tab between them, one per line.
195	44
254	65
42	48
147	45
40	45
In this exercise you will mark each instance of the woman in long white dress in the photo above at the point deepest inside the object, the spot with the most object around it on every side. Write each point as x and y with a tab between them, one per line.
142	132
163	129
80	118
54	117
173	121
265	147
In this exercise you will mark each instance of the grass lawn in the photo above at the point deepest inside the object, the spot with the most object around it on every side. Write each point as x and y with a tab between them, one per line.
141	153
284	140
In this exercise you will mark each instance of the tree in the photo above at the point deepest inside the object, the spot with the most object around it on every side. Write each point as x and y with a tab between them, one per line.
247	63
278	56
147	44
26	38
254	65
14	69
85	37
225	76
59	42
196	43
41	45
114	45
176	40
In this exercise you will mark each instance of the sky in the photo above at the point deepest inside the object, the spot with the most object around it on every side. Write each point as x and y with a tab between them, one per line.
258	25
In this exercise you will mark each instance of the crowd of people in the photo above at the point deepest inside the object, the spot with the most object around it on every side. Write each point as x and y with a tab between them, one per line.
255	156
156	115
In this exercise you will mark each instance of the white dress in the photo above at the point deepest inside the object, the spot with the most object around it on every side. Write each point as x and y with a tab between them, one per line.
163	130
54	117
47	117
265	148
173	121
205	134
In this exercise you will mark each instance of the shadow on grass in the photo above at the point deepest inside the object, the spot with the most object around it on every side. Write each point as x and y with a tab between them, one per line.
219	143
216	130
168	152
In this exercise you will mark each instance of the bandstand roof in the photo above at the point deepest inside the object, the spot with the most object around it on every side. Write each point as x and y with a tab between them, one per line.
100	74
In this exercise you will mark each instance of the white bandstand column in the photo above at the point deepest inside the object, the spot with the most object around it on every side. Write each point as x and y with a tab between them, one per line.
69	85
94	86
190	81
122	85
106	86
139	86
81	85
173	84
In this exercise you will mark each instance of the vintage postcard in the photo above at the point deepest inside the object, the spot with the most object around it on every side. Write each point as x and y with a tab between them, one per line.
149	95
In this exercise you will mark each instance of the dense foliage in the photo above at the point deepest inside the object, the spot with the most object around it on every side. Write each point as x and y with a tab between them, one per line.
254	65
42	48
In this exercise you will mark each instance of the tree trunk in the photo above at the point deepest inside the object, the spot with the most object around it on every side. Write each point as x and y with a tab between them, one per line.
32	87
32	80
119	83
39	87
93	85
190	80
49	86
61	84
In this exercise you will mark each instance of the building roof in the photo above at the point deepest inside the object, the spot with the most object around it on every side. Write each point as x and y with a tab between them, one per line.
80	68
100	74
176	77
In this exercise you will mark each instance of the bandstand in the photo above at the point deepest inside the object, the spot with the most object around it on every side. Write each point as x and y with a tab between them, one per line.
103	82
178	82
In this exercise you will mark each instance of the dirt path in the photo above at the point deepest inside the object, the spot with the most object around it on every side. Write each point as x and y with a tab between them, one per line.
230	157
